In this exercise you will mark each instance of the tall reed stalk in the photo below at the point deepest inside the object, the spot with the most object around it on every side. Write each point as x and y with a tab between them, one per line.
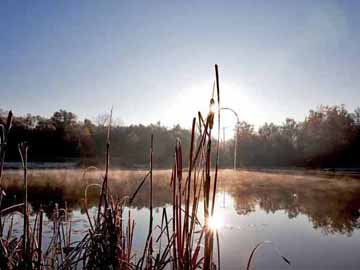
4	134
23	150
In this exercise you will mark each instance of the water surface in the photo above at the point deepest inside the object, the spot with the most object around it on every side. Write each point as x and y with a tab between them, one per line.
312	221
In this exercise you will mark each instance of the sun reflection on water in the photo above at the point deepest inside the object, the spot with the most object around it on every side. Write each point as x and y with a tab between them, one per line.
216	222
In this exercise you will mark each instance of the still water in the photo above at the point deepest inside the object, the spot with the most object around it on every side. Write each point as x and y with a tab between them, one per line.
313	221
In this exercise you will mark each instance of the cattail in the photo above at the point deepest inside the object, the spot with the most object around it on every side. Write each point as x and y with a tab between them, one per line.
211	113
9	122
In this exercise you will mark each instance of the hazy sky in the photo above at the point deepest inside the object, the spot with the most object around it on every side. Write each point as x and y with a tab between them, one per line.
153	60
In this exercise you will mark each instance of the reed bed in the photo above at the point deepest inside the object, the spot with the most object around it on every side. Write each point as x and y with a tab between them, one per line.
183	240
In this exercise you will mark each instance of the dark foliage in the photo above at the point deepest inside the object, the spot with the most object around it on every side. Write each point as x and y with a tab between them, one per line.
63	138
329	137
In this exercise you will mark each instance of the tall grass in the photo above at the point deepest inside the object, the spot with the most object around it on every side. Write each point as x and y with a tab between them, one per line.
175	243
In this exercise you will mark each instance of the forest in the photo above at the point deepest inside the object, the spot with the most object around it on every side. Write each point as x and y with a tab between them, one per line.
329	137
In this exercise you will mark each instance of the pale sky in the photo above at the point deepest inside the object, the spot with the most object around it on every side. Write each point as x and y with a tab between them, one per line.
153	60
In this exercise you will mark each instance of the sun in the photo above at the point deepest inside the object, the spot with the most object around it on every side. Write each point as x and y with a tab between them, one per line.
196	97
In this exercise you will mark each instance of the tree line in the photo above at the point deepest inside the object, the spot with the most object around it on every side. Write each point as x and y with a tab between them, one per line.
63	138
328	137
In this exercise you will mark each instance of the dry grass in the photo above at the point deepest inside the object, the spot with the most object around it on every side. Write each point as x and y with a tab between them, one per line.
108	243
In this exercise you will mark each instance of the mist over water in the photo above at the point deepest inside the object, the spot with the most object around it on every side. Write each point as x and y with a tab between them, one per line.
313	221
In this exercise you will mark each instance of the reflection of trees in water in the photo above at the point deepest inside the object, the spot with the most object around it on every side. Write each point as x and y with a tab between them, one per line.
47	189
330	205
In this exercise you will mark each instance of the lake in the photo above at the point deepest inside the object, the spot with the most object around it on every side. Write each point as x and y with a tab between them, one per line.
313	221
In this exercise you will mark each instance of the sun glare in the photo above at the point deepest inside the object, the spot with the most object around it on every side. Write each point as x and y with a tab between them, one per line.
196	97
216	222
